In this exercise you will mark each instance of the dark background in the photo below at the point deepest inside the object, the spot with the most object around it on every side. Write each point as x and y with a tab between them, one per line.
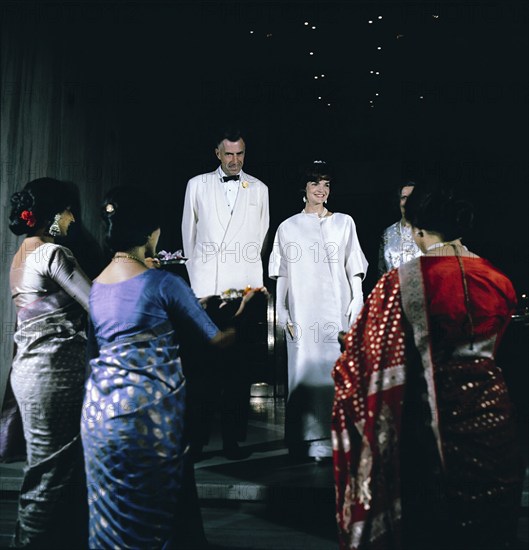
452	103
110	93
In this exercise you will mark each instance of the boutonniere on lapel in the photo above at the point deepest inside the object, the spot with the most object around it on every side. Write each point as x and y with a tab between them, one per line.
244	184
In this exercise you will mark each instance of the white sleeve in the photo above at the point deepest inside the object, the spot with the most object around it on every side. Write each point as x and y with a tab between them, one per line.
358	299
275	261
264	220
189	220
356	263
282	313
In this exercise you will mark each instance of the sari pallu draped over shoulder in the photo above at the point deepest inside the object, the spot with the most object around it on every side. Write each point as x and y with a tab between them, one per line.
424	443
132	431
369	382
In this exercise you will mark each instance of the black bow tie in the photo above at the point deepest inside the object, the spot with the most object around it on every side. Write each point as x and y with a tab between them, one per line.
230	178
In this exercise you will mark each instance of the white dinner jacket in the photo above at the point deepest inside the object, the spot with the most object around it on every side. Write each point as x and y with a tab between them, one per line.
224	249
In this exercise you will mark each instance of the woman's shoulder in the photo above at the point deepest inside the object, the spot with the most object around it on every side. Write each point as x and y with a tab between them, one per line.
341	216
51	253
48	247
343	219
292	220
155	277
166	278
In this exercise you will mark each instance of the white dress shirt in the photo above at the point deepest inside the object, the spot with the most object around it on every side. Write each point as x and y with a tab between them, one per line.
231	189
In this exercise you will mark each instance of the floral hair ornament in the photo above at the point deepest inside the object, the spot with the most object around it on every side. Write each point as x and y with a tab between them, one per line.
28	217
109	208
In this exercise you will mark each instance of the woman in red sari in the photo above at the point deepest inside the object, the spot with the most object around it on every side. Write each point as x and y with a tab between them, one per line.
424	441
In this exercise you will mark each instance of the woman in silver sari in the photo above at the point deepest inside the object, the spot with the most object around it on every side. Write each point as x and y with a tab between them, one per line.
396	244
50	292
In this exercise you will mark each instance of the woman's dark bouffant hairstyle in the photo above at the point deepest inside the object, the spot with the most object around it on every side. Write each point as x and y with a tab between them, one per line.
130	216
316	170
440	211
36	205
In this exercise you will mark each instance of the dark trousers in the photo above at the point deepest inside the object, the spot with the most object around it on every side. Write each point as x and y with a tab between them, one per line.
220	380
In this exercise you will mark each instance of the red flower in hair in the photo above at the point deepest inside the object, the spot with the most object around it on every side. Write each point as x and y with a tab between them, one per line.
29	218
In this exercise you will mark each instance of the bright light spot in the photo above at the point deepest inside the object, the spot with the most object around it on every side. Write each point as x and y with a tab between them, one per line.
306	22
376	94
251	32
370	22
316	77
311	53
377	72
435	16
421	97
319	97
328	104
379	48
323	76
379	17
370	101
313	28
371	72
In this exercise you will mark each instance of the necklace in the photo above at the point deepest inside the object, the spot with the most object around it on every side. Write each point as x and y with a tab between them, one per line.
322	215
441	244
130	256
435	245
453	244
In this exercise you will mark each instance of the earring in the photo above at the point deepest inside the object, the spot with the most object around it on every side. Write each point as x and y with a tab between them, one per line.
54	229
324	202
304	199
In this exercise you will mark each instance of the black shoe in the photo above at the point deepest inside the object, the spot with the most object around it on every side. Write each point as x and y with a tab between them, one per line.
232	451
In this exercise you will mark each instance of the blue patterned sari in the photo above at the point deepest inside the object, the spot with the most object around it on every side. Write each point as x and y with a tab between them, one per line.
132	430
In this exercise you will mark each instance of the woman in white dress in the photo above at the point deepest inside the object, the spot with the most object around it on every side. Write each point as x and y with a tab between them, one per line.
319	266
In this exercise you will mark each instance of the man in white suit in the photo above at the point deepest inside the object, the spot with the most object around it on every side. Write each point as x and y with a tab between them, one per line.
224	223
224	226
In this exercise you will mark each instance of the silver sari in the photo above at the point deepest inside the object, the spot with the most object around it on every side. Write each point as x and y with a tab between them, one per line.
50	292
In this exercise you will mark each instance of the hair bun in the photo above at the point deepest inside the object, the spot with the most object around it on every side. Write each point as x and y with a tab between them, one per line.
21	200
21	218
130	217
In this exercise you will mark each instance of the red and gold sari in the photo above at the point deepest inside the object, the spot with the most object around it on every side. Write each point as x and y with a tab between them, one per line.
424	443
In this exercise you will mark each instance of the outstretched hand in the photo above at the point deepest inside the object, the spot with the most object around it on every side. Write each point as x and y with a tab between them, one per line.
249	295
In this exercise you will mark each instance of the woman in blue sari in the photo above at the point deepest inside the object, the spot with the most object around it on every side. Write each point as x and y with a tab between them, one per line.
133	416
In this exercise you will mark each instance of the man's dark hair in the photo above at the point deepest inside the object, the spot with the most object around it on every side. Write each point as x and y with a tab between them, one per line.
231	134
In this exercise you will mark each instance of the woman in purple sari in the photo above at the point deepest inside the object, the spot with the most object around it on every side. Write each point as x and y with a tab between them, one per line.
50	292
133	419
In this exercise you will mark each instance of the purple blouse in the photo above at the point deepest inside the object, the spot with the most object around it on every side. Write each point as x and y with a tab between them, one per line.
121	310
